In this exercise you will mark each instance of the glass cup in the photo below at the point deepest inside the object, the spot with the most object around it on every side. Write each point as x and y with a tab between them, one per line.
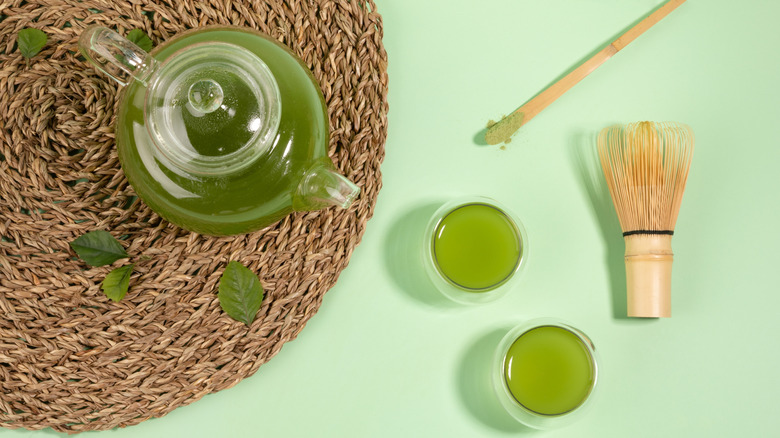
474	249
545	373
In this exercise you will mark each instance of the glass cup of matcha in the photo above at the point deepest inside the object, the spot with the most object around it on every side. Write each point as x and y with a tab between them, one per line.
474	248
545	373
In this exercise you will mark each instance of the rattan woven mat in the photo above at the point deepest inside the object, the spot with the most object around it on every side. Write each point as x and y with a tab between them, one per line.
71	359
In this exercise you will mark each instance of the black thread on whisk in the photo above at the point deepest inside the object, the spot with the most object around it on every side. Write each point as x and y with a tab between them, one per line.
631	233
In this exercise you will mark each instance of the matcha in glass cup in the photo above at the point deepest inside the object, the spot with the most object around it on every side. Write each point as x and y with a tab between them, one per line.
474	248
545	372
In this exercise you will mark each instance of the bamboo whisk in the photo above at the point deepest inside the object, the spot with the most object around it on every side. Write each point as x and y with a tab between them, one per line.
646	165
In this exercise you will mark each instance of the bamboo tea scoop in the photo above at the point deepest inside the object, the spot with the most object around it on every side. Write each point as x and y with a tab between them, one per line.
501	131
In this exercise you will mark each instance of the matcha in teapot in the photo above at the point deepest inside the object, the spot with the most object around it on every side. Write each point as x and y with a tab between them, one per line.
220	130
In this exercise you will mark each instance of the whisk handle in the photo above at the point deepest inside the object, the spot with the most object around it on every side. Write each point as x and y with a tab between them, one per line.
649	275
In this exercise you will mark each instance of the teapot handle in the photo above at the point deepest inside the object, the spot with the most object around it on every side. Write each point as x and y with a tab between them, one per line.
116	56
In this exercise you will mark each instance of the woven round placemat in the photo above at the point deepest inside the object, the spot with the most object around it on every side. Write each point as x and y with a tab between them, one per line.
71	359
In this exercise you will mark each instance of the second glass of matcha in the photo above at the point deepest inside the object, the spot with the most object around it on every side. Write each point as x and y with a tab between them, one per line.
544	373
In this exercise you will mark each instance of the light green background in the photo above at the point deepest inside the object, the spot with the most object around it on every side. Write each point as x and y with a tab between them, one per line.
385	358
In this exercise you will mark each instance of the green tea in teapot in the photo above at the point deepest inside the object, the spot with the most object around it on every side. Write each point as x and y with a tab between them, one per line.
206	140
220	130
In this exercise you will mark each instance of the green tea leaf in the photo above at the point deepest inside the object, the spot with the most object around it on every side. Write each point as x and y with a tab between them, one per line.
117	282
98	248
140	39
240	293
31	41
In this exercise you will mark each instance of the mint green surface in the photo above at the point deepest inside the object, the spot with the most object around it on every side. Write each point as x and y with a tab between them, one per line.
384	357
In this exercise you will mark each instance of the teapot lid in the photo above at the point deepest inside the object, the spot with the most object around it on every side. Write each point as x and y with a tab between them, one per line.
212	108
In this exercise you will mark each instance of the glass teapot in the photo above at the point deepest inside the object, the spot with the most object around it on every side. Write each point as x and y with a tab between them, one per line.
220	130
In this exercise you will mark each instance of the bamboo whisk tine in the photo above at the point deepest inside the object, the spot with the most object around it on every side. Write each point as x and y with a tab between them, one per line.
646	166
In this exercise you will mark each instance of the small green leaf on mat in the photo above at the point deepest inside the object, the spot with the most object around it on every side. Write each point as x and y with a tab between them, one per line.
117	282
240	293
98	248
140	39
30	42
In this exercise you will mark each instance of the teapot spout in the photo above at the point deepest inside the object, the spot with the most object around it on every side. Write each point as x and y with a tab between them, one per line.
322	186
